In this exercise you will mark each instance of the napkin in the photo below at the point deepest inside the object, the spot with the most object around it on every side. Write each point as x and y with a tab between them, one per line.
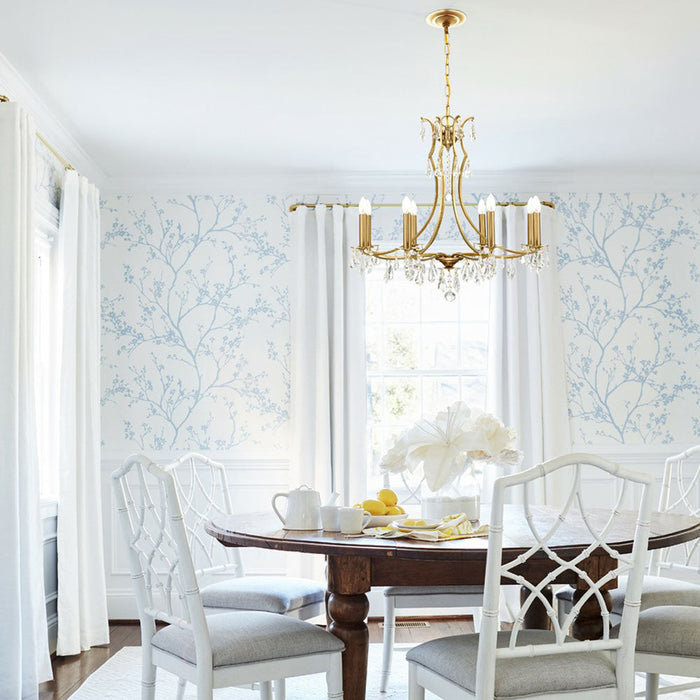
451	527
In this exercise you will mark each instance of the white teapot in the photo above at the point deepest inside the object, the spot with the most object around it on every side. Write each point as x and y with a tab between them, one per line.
303	509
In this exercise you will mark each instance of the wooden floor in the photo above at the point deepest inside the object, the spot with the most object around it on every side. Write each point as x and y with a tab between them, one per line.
71	671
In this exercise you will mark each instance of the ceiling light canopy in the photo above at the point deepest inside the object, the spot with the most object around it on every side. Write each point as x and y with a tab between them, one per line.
448	165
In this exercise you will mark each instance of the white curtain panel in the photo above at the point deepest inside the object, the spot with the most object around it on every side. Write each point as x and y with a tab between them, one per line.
329	385
526	384
82	600
24	652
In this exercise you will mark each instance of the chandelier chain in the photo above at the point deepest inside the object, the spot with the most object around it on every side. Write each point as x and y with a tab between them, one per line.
448	89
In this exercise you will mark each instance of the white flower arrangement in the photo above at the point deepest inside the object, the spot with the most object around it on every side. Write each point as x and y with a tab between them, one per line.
443	447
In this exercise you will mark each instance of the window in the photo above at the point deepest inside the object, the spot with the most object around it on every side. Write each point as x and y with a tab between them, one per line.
423	353
44	396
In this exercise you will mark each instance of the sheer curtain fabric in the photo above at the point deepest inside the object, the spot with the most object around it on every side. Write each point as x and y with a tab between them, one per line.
526	384
82	599
24	640
329	421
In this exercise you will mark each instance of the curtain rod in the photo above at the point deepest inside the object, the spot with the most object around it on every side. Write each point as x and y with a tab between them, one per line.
310	205
55	153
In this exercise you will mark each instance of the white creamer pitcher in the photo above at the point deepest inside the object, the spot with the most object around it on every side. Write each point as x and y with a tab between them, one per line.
303	509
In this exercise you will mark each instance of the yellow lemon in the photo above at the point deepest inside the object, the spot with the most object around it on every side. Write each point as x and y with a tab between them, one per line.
411	521
394	510
400	509
387	497
374	507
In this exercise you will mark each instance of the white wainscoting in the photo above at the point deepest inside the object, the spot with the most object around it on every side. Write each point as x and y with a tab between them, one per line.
252	481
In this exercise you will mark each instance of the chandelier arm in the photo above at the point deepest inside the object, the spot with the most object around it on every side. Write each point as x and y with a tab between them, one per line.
441	213
432	211
465	157
461	231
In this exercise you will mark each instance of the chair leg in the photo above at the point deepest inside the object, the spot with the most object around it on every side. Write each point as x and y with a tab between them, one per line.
181	685
148	674
334	677
266	690
388	646
476	619
280	690
652	689
415	691
205	682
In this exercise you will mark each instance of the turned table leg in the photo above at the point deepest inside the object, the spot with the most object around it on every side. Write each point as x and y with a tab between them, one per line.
536	616
589	623
348	607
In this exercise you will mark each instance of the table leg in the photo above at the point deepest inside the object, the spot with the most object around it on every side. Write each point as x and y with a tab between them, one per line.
536	617
589	623
348	607
348	614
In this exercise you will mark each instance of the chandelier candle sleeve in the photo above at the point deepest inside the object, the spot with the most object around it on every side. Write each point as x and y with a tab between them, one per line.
491	222
365	210
410	223
534	208
481	209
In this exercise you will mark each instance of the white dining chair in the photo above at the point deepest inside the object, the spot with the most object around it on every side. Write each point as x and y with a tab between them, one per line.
670	578
405	597
204	494
228	649
534	664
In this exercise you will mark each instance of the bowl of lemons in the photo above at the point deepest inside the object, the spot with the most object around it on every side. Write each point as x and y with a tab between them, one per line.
383	509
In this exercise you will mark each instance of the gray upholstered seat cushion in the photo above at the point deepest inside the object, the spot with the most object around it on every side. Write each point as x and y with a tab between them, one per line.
454	658
433	590
269	593
244	637
657	590
670	630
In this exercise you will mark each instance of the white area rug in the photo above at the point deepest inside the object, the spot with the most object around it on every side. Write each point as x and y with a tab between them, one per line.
120	679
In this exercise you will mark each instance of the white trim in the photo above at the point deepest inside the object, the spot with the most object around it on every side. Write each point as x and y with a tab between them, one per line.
49	508
13	85
338	186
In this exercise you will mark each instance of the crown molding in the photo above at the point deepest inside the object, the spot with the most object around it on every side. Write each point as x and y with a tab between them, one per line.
340	186
14	86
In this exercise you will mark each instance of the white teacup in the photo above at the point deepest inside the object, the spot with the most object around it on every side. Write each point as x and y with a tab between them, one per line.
330	515
353	520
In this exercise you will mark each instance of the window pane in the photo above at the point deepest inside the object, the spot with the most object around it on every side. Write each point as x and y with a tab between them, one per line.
440	345
474	337
401	349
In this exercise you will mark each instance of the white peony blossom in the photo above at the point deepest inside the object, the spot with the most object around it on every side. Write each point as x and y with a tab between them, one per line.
441	448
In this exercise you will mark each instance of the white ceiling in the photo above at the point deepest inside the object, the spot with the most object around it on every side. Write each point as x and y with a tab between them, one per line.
158	89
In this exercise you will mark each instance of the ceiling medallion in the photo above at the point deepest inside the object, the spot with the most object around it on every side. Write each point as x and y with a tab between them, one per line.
448	165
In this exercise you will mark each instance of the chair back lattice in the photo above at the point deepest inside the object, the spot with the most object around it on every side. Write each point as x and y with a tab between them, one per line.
680	493
159	556
203	491
545	533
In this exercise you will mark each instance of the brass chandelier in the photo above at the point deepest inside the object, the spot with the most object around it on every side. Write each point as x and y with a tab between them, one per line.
448	165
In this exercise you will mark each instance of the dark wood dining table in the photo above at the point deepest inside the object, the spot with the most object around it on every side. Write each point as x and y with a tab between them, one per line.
355	564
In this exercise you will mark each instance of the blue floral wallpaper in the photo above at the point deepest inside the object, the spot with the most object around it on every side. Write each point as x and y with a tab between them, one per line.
196	320
631	306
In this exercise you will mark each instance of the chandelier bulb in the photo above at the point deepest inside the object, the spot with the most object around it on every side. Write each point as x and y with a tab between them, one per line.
364	206
406	205
490	203
536	205
481	207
